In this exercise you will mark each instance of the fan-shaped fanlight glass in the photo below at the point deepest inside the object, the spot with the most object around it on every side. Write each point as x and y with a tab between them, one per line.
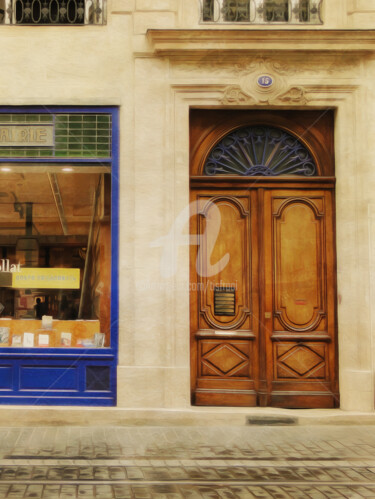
260	150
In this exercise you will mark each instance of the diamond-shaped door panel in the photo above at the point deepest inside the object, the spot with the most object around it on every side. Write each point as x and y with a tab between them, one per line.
224	360
301	361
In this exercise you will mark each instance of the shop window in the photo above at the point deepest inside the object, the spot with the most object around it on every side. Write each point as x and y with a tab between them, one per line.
57	241
261	11
47	12
55	261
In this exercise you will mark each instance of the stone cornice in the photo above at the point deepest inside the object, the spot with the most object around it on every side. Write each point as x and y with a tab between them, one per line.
179	42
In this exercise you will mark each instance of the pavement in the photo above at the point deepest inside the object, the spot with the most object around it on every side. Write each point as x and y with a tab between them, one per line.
249	461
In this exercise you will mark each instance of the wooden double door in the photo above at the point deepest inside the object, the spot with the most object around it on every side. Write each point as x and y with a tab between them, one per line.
263	294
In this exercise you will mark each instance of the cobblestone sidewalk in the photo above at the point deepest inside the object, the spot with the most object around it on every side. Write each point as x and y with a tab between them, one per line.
187	462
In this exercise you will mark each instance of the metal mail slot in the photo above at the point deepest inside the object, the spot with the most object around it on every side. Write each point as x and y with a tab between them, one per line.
225	301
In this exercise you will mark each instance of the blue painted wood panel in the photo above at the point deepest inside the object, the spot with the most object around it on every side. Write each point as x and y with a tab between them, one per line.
6	377
63	381
48	378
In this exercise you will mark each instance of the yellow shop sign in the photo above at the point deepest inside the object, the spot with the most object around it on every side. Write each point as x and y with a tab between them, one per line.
43	278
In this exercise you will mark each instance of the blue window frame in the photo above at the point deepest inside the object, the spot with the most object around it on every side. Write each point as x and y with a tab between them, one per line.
69	375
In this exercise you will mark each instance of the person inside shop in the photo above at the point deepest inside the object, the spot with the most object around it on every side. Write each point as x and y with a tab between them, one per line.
39	309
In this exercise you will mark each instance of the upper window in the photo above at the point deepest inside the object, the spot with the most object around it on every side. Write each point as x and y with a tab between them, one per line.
47	12
262	11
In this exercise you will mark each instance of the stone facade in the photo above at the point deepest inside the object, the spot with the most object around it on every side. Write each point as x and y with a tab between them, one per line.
155	61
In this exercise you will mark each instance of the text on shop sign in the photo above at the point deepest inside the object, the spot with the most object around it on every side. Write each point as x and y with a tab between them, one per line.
26	135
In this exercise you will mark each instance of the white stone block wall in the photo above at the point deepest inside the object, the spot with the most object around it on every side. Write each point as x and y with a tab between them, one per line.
115	65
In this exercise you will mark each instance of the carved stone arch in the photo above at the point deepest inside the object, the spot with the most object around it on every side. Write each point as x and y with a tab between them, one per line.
310	128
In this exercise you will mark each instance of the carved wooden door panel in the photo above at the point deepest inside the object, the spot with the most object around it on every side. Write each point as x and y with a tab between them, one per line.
224	306
298	299
263	297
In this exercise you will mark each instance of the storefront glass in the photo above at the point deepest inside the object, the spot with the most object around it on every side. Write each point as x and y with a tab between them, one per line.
56	251
55	239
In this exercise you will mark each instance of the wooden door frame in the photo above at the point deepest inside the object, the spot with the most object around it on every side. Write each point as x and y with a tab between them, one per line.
210	127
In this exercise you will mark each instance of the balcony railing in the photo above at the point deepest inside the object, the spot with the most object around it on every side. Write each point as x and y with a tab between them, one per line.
261	11
52	12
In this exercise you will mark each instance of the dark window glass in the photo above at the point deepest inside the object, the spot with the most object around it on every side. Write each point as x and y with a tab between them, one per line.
276	10
236	10
208	10
50	11
304	11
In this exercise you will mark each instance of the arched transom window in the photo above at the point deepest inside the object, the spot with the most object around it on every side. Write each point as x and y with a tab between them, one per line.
260	150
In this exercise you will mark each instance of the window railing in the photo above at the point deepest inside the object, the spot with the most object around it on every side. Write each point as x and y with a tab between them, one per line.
261	11
52	12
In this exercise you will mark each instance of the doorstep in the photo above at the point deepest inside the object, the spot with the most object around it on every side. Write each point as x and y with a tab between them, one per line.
194	416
